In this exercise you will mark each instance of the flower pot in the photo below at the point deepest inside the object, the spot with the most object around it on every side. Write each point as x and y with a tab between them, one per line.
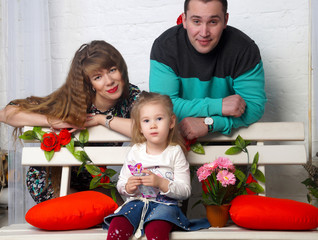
217	215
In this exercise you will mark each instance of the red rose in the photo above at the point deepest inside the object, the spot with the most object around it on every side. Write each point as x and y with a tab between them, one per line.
249	180
51	141
104	179
65	137
188	143
179	20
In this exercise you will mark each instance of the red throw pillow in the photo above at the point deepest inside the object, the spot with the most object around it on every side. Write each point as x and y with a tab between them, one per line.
75	211
258	212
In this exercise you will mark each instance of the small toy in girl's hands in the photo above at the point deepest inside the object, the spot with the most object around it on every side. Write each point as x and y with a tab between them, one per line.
146	191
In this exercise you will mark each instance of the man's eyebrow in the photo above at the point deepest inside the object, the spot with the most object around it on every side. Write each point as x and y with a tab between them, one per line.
213	16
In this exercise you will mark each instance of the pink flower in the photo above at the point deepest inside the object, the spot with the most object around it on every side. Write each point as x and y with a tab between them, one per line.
203	173
210	166
226	178
224	162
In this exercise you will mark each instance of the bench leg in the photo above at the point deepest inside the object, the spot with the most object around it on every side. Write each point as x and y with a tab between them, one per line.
65	181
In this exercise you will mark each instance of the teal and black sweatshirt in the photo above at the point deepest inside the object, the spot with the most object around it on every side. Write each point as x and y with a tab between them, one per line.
197	82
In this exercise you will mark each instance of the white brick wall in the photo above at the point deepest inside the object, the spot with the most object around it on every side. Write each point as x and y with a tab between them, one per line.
280	28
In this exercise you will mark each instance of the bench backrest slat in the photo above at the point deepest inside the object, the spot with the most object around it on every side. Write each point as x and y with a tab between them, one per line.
272	143
262	131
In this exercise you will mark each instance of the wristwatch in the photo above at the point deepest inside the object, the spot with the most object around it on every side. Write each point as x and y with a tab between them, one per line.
209	121
109	117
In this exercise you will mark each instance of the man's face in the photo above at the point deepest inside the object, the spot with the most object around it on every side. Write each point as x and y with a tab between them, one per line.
204	23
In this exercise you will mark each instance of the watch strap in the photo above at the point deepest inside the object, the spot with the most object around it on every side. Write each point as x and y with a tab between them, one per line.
109	118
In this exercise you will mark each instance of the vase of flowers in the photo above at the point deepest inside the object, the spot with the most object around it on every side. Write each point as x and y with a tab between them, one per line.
218	181
217	215
222	182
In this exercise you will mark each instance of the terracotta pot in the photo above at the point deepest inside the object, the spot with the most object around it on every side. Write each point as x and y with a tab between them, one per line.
217	215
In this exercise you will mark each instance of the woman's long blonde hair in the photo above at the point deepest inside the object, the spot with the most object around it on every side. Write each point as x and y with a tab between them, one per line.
174	137
72	100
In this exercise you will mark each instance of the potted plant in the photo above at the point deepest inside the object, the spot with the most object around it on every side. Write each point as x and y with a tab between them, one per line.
311	183
222	182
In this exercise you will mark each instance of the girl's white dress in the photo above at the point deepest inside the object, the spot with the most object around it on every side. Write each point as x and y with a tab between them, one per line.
170	164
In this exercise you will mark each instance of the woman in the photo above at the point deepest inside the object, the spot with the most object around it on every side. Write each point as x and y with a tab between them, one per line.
97	85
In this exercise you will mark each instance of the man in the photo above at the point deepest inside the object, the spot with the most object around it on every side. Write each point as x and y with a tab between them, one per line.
212	72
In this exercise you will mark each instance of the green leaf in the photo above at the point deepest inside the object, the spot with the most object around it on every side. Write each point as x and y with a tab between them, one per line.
78	156
107	185
70	146
259	175
255	187
197	148
39	133
80	168
239	142
314	192
81	156
240	175
110	172
233	150
28	135
113	193
196	203
84	136
256	158
94	170
49	155
309	199
95	182
253	168
309	183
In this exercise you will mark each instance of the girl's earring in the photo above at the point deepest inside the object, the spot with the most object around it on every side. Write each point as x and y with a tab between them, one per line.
93	89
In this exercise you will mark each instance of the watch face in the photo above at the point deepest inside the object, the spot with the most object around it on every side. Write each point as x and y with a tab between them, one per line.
208	121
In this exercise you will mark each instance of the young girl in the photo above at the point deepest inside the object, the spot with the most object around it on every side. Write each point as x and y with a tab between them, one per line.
154	177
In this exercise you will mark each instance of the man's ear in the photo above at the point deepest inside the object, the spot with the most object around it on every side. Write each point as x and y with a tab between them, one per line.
226	19
173	121
184	21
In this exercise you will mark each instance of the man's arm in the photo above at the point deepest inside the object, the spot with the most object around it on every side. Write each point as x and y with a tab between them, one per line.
250	86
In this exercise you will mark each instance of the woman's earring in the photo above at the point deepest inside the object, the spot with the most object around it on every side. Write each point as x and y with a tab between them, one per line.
93	89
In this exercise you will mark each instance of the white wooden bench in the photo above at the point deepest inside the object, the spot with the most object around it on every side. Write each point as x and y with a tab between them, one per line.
277	143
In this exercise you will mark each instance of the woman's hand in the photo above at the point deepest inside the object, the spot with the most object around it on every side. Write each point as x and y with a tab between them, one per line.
94	120
132	184
59	124
153	180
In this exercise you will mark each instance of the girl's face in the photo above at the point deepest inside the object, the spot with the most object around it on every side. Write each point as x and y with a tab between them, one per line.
155	124
108	84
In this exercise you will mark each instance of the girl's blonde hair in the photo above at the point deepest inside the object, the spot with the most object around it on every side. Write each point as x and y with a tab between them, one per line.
73	99
174	137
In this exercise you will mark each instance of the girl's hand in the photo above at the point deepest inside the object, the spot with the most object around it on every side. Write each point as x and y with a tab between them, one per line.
153	180
132	184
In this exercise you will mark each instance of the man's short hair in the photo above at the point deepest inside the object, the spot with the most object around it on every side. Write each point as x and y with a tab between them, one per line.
224	3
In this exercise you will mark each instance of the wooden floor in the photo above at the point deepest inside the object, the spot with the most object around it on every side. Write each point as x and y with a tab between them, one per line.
27	232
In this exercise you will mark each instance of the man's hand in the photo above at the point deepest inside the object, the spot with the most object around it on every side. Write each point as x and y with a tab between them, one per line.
193	128
233	106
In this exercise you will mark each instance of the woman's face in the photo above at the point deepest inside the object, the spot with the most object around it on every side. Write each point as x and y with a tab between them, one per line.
108	84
